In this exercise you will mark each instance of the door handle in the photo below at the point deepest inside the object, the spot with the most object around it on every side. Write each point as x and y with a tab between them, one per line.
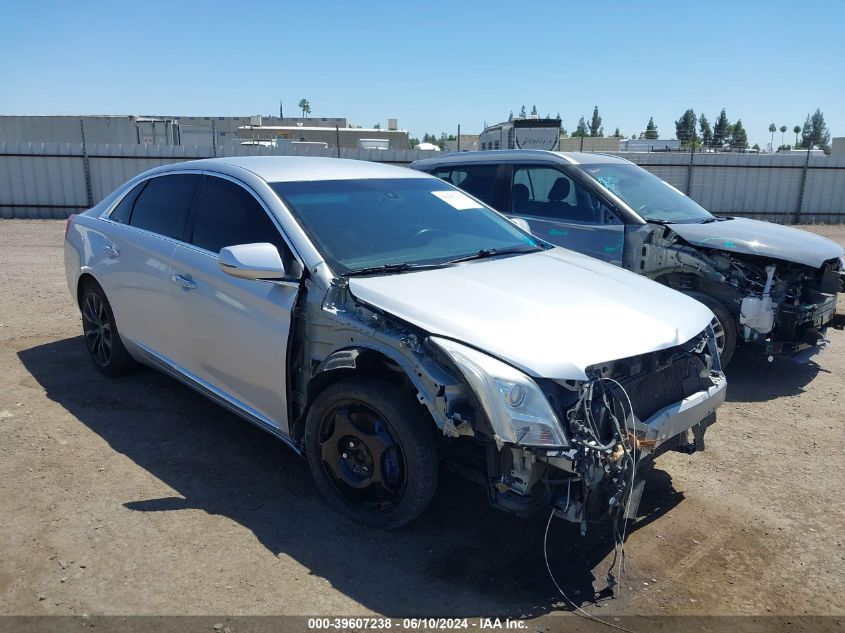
111	251
179	280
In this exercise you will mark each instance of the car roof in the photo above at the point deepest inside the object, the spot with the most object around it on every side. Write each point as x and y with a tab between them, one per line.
297	168
519	155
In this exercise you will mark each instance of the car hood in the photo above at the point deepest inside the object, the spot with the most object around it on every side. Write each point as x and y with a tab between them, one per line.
755	237
551	314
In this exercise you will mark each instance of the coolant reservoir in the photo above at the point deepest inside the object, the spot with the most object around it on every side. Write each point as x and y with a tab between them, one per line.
758	313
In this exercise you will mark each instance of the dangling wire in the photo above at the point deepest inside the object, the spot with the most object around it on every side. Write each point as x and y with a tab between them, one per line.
575	607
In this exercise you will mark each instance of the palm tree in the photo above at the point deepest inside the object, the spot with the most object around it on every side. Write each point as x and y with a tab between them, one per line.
305	107
773	128
782	132
797	130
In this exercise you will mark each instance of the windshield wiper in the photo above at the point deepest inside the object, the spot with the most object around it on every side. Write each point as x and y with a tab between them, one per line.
389	269
493	252
709	220
657	221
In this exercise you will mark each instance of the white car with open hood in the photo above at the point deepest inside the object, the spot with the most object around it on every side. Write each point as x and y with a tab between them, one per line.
380	321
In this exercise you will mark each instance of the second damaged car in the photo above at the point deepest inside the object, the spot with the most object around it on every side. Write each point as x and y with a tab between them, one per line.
771	287
380	321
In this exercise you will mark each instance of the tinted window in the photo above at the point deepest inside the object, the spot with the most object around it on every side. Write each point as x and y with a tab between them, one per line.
547	192
372	222
163	204
477	180
227	214
122	212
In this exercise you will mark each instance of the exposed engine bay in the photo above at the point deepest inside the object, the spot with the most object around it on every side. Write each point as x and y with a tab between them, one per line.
779	305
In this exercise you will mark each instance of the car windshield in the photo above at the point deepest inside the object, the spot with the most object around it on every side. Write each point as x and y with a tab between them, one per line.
653	199
358	225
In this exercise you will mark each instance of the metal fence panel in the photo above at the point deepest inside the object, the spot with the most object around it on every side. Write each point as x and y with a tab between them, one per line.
49	179
41	180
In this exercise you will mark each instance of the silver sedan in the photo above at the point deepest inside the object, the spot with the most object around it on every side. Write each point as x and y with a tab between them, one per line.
380	321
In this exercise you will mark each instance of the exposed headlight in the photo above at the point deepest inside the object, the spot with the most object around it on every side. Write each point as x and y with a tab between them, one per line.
516	407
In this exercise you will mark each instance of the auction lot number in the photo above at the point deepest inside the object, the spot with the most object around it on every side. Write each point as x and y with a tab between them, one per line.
412	624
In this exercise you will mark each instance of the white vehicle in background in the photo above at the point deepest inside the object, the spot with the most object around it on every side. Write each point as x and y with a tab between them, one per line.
380	321
529	133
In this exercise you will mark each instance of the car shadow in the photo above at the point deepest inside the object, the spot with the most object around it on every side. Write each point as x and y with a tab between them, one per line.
461	558
752	378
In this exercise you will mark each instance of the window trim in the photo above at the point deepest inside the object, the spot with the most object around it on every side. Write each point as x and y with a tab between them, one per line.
192	215
106	215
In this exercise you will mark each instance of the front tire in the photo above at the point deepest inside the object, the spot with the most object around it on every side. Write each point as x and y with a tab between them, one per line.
101	336
372	452
725	327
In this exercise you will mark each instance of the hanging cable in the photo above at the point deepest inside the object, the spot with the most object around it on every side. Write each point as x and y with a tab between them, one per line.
575	607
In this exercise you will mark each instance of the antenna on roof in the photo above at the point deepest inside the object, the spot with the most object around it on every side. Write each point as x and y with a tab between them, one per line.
281	116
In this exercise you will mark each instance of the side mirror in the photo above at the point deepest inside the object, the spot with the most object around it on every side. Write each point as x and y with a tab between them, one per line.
521	224
252	261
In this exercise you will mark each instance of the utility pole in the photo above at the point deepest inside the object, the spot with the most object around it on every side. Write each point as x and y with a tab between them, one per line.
459	137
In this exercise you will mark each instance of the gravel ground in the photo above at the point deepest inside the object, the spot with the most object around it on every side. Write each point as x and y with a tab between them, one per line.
137	496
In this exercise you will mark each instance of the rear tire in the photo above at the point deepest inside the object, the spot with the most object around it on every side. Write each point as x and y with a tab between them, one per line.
372	452
724	320
100	331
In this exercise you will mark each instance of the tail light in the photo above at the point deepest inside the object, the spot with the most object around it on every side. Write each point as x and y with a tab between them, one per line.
69	222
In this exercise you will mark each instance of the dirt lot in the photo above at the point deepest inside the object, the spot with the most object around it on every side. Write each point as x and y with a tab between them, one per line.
137	496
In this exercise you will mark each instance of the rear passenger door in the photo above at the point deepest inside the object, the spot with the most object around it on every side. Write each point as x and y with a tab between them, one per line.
562	210
234	332
137	267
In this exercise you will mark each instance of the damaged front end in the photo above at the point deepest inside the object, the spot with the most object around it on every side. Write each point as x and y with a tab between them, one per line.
531	442
780	306
576	445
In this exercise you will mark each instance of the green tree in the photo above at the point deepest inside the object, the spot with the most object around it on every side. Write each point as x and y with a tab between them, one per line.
773	128
685	128
510	116
413	142
739	137
756	146
721	130
819	132
581	130
522	112
651	130
706	131
305	107
797	130
807	133
617	133
558	117
534	110
595	123
782	132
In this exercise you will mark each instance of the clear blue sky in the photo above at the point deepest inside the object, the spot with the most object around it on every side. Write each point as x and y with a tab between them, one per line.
432	65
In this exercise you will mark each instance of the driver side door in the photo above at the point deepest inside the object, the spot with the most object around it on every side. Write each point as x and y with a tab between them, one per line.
233	333
561	210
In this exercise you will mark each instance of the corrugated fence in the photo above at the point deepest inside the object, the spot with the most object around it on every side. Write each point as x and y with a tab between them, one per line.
53	180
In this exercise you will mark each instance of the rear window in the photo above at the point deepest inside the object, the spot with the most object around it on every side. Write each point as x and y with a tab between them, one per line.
477	180
123	211
163	204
